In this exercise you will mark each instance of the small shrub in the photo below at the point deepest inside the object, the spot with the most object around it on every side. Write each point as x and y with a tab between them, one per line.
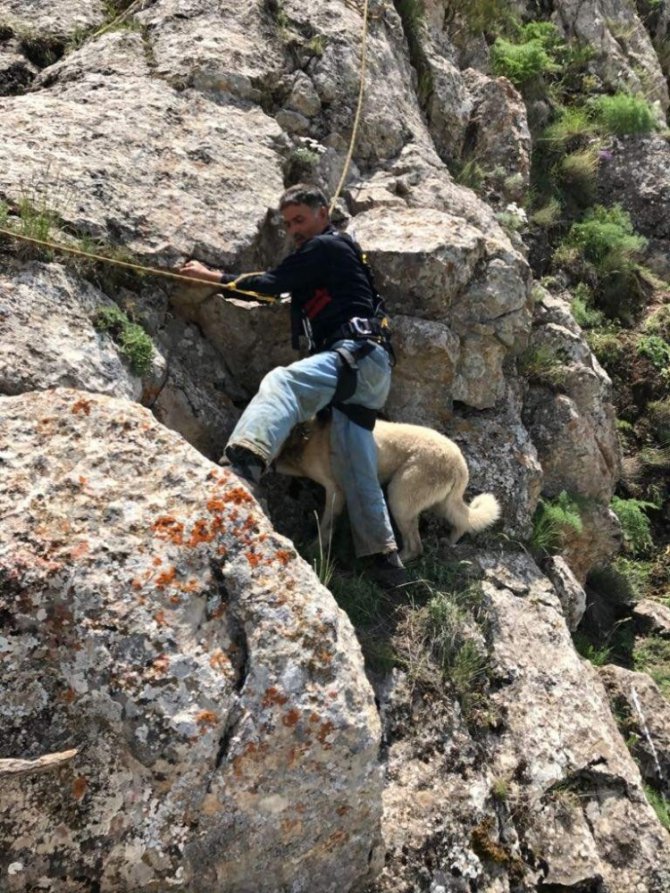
635	524
553	519
471	174
597	656
577	173
652	655
609	347
572	127
541	366
521	62
548	215
659	804
606	237
659	414
623	114
655	349
582	308
133	342
658	322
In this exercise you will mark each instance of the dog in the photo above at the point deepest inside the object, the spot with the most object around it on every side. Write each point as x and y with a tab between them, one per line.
421	469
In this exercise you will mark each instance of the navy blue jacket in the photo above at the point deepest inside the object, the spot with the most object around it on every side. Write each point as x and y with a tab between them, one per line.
328	284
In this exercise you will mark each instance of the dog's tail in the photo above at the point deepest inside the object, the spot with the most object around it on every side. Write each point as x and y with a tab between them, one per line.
483	511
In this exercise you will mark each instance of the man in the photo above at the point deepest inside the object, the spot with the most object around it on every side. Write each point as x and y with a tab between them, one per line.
334	303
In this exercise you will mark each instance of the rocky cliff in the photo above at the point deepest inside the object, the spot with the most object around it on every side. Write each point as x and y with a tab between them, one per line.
219	727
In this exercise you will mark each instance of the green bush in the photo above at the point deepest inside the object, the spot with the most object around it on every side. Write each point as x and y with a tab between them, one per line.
655	349
659	414
660	806
585	314
635	524
609	347
573	126
521	62
553	519
623	114
541	366
133	342
606	237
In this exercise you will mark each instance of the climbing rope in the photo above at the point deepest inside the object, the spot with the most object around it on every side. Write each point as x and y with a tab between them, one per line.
138	268
359	107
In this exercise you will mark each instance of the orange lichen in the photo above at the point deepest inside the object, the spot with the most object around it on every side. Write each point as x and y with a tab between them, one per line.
79	550
161	664
215	504
238	496
273	696
157	560
206	719
252	558
79	787
200	533
174	600
291	718
136	584
169	528
159	617
166	578
219	660
283	556
68	696
326	728
82	405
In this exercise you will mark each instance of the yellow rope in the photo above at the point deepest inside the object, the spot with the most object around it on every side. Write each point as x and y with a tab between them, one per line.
153	271
357	118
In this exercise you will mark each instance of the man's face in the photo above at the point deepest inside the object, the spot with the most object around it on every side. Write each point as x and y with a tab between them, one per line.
302	222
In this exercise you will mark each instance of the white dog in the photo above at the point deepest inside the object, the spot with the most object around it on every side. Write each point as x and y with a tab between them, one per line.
423	470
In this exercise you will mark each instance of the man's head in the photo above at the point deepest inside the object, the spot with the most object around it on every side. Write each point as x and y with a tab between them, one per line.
305	212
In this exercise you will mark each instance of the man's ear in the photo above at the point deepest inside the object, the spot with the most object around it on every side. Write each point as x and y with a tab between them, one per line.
323	215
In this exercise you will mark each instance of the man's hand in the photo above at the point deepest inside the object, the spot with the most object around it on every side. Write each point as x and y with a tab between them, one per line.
195	270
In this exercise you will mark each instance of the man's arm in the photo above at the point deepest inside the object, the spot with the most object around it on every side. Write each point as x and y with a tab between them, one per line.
300	270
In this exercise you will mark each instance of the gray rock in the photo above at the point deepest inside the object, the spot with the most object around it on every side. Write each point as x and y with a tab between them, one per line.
48	338
644	717
227	737
569	591
652	617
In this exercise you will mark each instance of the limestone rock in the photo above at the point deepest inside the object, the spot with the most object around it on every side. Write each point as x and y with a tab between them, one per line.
499	138
637	171
645	714
227	737
624	56
574	429
153	167
502	459
569	591
652	617
440	268
586	816
599	540
48	338
49	17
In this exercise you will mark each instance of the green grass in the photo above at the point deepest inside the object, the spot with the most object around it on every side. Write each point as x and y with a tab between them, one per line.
652	655
656	349
585	314
573	127
133	342
553	520
597	656
541	366
624	114
635	524
660	806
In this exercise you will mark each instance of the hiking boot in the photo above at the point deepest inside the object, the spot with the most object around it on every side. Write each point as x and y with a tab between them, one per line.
246	465
388	571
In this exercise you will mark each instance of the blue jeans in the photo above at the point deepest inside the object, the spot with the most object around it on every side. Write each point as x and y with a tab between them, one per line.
292	394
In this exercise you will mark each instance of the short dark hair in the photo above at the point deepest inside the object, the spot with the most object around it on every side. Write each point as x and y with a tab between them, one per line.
303	194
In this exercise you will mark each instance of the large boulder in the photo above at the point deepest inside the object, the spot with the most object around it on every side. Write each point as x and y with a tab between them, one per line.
226	737
571	418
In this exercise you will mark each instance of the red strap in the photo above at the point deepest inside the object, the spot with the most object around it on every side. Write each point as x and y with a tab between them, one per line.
316	303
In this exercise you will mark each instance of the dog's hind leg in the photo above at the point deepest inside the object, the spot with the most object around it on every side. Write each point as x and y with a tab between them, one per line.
331	510
402	506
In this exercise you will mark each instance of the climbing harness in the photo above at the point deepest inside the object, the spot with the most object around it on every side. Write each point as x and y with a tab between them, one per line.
347	380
